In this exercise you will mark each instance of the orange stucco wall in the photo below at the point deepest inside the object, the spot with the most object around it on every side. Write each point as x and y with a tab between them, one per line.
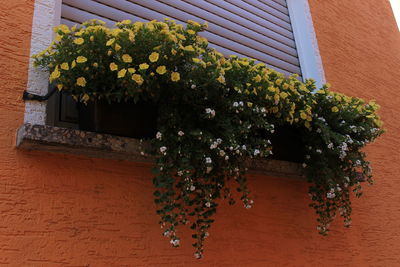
63	210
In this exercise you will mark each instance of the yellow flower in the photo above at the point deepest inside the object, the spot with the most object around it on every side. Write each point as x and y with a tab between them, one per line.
91	38
188	48
64	66
131	70
79	33
257	78
121	73
55	74
58	38
126	21
64	28
95	64
283	95
335	109
175	76
154	57
144	66
173	52
272	89
110	42
79	41
85	98
249	104
117	47
191	32
181	36
278	81
137	78
73	64
276	98
113	66
303	115
126	58
196	60
161	70
81	81
138	25
131	36
193	23
81	59
109	52
59	86
221	79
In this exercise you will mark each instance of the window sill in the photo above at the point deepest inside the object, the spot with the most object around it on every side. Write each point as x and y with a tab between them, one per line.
71	141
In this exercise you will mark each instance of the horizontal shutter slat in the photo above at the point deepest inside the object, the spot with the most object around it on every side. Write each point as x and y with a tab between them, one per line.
251	19
275	5
268	9
78	15
262	14
236	16
281	2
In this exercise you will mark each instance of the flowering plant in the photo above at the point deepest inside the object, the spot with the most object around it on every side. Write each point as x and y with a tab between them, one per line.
214	112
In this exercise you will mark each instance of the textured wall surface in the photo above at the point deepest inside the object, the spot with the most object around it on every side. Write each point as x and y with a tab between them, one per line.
63	210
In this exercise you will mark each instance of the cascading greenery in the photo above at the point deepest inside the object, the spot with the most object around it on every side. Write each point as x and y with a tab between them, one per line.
214	113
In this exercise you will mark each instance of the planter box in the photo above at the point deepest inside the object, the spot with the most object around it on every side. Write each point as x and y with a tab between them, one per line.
122	119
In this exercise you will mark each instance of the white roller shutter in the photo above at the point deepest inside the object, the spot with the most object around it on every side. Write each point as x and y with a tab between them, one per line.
258	29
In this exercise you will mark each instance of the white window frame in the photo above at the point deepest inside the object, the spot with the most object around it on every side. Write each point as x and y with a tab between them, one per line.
47	15
306	41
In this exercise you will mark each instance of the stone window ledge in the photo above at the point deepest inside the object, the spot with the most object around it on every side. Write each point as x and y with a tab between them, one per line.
71	141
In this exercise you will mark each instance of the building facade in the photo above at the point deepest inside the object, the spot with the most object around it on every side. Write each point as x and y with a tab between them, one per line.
60	209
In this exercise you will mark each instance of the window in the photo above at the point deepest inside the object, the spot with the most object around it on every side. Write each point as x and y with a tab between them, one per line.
276	32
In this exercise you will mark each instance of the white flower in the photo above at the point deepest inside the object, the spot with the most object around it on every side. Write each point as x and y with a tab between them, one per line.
319	130
180	173
244	147
193	86
330	195
163	149
180	133
330	145
304	165
308	156
192	188
235	104
226	157
241	103
211	112
208	160
319	151
256	152
158	135
247	206
358	162
208	204
222	153
175	242
167	233
197	255
213	145
219	140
